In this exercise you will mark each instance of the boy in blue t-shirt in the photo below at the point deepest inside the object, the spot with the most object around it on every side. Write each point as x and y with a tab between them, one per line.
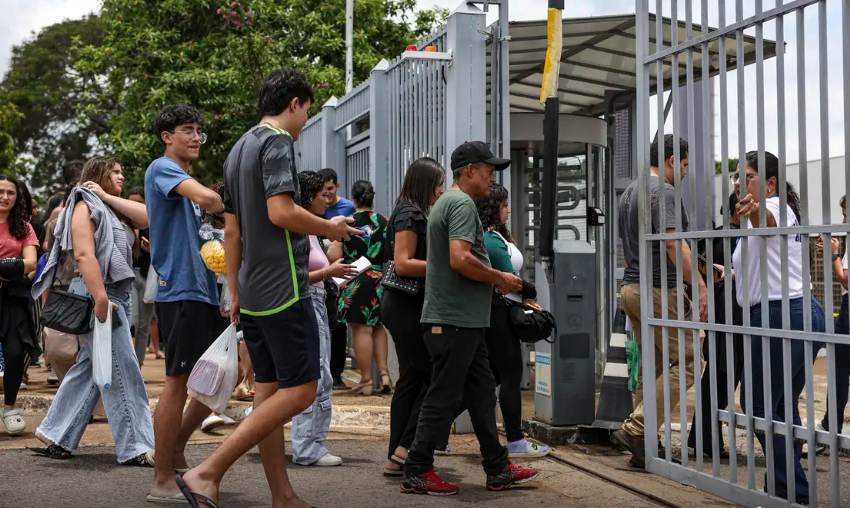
186	298
336	205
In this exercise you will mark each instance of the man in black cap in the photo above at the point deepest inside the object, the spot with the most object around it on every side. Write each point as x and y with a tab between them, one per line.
458	288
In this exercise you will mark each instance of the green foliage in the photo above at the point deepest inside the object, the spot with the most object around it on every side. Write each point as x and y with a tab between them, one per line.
214	55
44	86
10	117
733	166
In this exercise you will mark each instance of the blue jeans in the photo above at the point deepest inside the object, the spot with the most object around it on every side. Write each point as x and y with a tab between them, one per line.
777	386
126	402
311	427
842	368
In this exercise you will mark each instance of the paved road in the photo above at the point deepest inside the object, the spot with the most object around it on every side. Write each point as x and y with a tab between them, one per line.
93	480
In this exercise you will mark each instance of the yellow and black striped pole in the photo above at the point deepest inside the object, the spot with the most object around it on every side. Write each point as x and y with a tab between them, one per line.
549	96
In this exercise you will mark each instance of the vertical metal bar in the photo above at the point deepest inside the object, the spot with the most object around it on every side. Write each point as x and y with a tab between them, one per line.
662	213
764	286
705	58
645	226
727	249
802	114
744	246
692	180
783	250
827	264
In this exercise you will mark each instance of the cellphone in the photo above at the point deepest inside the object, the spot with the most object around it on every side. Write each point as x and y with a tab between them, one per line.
116	317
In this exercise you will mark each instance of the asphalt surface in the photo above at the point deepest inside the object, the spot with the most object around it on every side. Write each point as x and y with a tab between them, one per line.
93	480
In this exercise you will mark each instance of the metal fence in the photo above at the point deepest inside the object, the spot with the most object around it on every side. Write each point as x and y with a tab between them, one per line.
778	369
395	117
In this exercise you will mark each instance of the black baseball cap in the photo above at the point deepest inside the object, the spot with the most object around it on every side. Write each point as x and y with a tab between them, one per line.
477	151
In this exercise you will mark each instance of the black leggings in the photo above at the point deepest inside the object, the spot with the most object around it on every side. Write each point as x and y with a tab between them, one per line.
16	364
401	317
505	352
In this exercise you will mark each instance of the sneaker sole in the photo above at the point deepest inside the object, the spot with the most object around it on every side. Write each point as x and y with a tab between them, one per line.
212	426
526	480
527	455
428	492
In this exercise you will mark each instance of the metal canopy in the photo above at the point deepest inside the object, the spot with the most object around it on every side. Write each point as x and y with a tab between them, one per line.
598	56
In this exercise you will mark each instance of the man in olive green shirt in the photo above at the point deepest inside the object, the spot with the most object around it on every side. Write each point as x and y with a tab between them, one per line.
458	287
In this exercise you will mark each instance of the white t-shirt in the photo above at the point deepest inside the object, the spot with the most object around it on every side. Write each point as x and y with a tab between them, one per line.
517	261
846	257
774	262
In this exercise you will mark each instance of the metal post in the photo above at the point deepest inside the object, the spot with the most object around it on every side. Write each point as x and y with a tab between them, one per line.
465	79
333	144
349	46
379	138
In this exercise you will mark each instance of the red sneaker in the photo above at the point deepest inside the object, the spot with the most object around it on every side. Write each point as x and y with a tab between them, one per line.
428	483
510	476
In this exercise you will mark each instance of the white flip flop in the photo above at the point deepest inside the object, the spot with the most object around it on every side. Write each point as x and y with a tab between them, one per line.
14	422
175	499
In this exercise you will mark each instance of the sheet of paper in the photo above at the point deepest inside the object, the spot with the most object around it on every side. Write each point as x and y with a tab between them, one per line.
361	265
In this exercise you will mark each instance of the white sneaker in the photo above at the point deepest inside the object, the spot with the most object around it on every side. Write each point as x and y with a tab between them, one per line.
527	450
227	420
328	460
212	422
24	386
52	379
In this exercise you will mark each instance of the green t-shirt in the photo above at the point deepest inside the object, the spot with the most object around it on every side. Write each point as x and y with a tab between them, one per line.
451	298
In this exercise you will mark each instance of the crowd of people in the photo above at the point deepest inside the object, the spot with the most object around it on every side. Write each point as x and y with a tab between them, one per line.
744	206
304	266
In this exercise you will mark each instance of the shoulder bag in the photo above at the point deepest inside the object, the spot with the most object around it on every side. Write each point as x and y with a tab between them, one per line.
392	280
529	324
68	312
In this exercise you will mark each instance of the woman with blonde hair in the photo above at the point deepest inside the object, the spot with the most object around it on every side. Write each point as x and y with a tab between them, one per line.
97	227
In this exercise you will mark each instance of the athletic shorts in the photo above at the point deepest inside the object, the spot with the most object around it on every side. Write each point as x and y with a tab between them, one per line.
188	328
284	347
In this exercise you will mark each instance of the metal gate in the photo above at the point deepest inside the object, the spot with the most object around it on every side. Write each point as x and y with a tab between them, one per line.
797	328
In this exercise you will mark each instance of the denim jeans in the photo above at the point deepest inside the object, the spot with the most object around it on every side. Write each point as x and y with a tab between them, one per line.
311	427
777	386
126	402
842	368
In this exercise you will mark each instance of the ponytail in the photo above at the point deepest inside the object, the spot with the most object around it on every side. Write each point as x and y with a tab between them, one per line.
793	200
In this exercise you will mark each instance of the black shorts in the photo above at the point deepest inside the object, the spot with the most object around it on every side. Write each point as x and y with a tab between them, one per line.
284	347
188	328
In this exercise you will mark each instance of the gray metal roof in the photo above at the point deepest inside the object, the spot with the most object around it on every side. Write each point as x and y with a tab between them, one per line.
599	55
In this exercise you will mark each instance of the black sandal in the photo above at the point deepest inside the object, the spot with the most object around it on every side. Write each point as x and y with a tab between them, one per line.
53	452
193	497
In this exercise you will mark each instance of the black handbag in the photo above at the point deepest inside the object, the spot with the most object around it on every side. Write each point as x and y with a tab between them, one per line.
390	279
529	324
68	313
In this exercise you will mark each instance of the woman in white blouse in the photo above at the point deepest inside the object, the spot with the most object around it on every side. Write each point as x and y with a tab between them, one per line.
747	187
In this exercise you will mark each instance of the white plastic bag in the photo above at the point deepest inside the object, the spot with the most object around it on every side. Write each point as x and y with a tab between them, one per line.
150	285
101	356
215	375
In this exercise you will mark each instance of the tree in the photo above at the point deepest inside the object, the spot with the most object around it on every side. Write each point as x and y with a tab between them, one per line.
44	86
718	166
9	119
214	55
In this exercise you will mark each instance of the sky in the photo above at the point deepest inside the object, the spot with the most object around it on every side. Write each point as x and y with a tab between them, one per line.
20	19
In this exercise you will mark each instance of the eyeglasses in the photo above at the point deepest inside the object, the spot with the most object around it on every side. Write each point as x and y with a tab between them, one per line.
192	134
735	177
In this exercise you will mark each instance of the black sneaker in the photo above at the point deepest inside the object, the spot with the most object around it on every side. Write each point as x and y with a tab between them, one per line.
339	386
634	445
428	483
510	476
